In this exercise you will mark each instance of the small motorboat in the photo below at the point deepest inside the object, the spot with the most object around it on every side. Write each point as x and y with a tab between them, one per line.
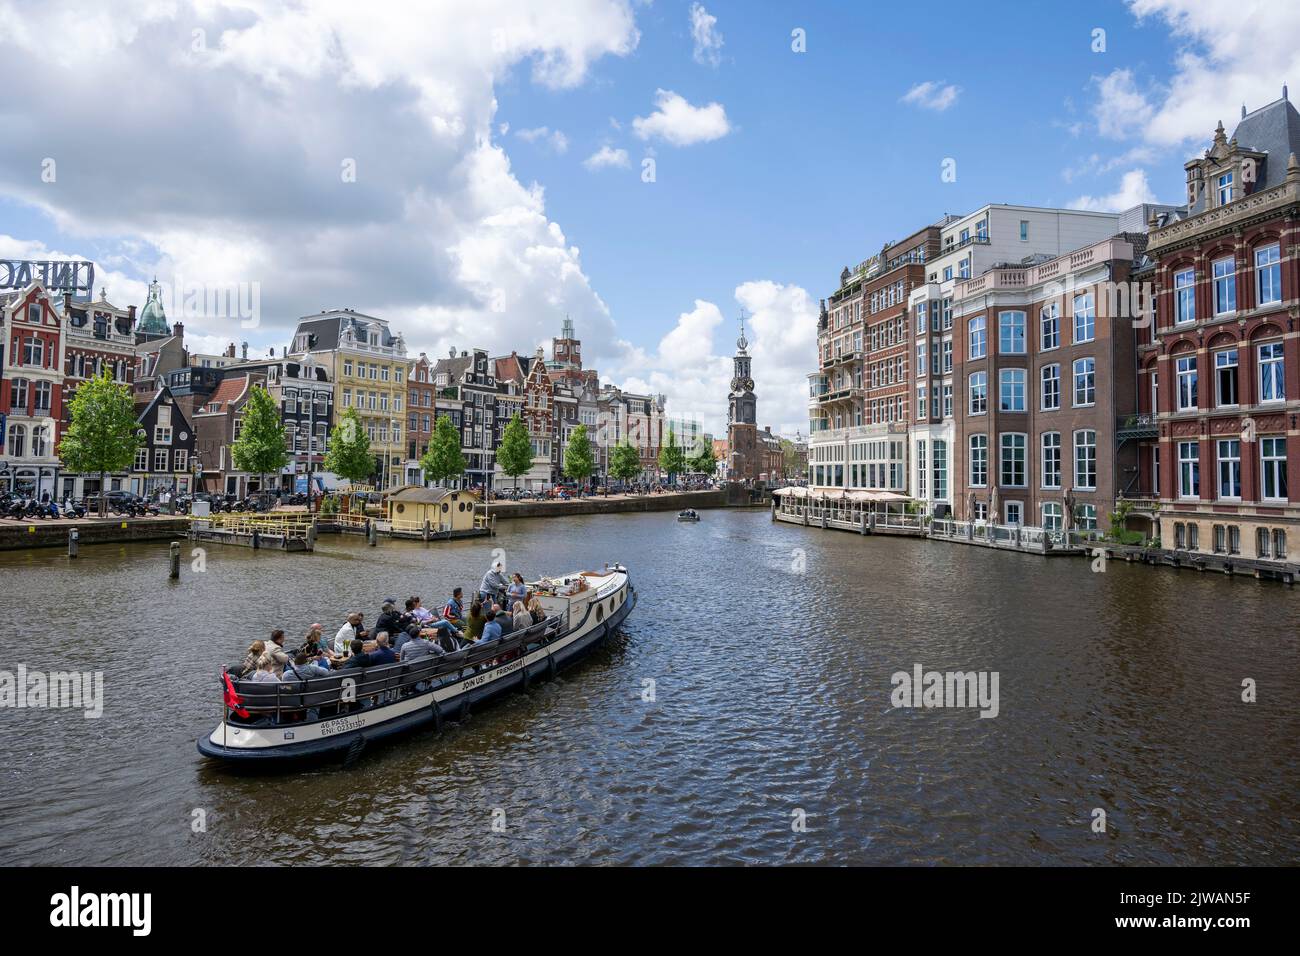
269	724
690	514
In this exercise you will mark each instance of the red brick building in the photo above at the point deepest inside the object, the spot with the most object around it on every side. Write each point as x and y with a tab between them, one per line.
31	391
1219	379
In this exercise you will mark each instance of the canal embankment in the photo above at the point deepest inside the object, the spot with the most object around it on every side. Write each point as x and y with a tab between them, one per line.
617	504
54	532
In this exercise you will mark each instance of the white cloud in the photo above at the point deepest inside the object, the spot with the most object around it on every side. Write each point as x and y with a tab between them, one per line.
606	158
1133	189
932	95
1097	165
1121	108
241	178
678	122
695	372
707	40
1230	54
553	138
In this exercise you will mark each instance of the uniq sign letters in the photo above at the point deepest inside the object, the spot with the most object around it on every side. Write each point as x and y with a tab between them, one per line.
54	276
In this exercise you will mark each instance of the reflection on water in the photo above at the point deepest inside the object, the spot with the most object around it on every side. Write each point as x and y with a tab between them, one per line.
771	695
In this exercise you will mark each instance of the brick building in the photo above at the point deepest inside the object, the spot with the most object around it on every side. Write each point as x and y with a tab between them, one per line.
1219	384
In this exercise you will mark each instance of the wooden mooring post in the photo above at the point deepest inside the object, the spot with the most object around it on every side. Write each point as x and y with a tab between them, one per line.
174	561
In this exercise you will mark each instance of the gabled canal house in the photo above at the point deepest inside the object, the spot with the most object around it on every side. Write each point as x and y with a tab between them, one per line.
367	363
162	462
31	391
1221	369
99	337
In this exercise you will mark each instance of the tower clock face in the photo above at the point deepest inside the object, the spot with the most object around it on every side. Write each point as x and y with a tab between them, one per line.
735	384
749	384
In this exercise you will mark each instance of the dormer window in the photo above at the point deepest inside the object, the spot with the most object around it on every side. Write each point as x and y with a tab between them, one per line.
1225	188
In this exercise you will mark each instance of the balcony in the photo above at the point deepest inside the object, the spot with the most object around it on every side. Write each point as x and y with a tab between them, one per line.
852	355
1136	427
840	394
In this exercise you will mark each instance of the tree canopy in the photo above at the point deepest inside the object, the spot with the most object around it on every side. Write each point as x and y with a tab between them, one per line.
349	449
515	456
579	460
260	447
103	435
443	460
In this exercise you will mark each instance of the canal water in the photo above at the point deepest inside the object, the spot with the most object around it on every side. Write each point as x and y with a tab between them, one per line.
744	715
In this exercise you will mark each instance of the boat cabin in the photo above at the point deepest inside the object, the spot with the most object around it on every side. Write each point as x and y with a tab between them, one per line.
445	509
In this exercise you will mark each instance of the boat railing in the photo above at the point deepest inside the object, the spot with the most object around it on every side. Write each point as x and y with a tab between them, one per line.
340	692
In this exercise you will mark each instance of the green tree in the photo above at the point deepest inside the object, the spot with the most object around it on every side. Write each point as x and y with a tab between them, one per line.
443	460
704	460
103	435
260	447
789	458
579	460
349	449
624	462
671	457
515	456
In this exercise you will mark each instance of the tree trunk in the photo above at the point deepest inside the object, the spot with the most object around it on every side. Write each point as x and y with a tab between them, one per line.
103	503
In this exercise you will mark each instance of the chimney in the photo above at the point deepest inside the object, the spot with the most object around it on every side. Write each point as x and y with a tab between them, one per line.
272	351
67	303
130	312
243	351
178	330
230	351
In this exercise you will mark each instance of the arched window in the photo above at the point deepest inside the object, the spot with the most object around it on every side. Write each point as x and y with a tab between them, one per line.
40	441
17	440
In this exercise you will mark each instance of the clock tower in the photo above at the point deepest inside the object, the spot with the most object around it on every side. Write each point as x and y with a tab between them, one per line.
742	413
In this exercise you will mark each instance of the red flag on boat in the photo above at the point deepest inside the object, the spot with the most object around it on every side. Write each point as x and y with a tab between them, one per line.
233	700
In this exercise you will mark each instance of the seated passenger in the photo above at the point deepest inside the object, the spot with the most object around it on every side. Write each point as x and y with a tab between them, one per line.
265	673
359	657
390	619
535	609
249	663
382	654
523	620
304	668
476	621
314	647
419	613
504	621
276	652
410	631
491	630
418	648
350	630
454	610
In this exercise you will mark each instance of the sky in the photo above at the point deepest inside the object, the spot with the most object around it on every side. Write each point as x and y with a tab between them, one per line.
473	172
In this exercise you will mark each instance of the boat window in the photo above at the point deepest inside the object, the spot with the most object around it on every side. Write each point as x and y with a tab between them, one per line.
600	612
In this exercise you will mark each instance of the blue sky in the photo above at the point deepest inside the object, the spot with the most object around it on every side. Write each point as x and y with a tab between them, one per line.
204	143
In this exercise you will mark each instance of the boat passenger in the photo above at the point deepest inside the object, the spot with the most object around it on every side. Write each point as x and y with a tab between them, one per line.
350	631
522	618
304	668
504	620
475	622
494	582
419	613
518	590
249	664
314	647
455	609
390	621
276	652
359	657
418	648
383	653
535	609
265	672
492	629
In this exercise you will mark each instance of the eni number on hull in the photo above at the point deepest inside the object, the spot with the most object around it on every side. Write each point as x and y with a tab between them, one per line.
340	715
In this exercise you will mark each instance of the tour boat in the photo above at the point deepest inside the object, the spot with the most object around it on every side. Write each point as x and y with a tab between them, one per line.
339	715
690	514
